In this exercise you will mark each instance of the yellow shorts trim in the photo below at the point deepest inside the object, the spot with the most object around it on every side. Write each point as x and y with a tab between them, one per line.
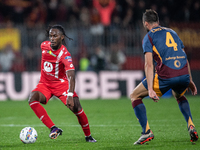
156	85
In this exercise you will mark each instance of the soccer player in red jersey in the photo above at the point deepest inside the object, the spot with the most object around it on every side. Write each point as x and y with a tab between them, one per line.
57	79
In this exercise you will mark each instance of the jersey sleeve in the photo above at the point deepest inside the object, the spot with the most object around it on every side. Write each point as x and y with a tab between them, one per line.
45	45
67	61
147	44
182	46
180	41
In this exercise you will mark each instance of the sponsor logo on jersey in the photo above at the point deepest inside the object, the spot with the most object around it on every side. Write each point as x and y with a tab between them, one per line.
48	67
177	63
71	65
50	52
69	58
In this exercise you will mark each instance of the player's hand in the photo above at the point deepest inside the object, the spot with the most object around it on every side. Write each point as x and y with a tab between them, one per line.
192	87
153	95
70	102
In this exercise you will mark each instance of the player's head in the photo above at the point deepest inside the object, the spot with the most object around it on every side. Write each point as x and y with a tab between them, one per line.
150	18
56	34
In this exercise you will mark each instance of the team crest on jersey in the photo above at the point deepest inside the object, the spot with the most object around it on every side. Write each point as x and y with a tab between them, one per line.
177	63
48	67
50	52
69	58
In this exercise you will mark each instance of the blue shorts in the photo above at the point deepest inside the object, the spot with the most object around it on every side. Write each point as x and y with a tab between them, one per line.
177	84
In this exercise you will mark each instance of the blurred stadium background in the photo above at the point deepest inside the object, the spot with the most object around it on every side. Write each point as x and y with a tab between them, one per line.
107	37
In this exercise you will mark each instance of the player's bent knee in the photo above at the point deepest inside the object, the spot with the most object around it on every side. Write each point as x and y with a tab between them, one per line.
36	96
77	105
133	97
31	98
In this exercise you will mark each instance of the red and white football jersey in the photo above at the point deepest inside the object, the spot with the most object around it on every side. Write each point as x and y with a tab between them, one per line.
55	63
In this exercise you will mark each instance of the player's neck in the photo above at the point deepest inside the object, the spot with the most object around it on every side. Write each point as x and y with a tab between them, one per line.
154	25
56	48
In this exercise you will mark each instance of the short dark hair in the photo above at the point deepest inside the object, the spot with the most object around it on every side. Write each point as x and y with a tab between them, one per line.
150	16
61	29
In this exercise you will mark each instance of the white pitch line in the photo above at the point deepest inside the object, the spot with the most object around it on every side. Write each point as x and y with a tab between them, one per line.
101	125
34	125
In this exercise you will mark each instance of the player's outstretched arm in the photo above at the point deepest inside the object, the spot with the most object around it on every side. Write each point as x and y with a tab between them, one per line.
149	72
192	85
71	79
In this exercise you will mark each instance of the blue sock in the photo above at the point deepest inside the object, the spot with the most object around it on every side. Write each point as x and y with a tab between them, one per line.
185	109
140	112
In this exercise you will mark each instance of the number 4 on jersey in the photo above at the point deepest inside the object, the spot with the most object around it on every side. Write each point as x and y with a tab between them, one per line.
170	41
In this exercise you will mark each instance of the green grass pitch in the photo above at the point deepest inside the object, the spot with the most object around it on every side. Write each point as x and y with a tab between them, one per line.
113	124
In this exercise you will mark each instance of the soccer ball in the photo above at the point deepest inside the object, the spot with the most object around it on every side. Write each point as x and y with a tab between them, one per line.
28	135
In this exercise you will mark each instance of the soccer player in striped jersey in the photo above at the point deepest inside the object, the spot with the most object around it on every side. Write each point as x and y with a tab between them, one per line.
163	47
57	79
